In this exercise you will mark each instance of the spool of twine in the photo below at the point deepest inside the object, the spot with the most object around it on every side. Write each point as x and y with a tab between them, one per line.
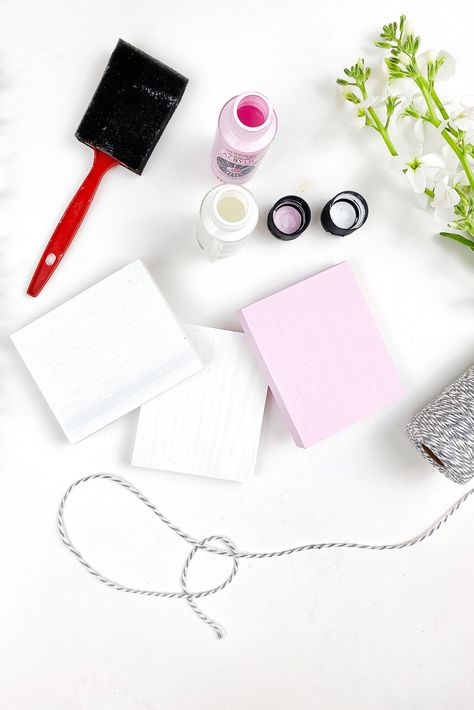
443	431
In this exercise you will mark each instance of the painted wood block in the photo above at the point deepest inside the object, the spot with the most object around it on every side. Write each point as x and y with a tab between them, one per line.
210	424
322	354
107	351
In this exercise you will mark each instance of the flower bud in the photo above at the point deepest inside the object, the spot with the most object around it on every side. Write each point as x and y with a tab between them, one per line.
409	28
404	59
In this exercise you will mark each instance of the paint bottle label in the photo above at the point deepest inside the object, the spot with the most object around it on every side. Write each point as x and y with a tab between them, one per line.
230	164
216	249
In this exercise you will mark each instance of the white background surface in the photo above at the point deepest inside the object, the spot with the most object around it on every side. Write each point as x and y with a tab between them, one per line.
338	630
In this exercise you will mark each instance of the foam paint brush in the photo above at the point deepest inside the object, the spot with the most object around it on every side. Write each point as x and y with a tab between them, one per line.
134	101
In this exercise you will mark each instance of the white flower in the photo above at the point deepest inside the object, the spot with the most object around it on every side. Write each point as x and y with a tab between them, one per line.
461	117
444	194
398	87
469	137
360	111
465	118
447	68
445	198
451	160
430	56
451	170
417	167
422	129
423	201
408	29
445	215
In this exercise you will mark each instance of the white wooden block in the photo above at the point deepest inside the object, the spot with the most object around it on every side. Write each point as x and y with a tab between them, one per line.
107	351
210	424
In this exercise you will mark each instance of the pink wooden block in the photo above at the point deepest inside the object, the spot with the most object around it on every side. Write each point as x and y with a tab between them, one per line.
322	354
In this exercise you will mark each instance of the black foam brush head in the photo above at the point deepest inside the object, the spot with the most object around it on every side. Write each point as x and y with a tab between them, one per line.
134	101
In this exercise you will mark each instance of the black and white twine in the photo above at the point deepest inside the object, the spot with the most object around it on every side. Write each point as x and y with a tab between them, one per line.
218	545
444	430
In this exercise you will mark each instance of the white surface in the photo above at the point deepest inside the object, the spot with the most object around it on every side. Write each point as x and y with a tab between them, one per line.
338	630
107	351
209	425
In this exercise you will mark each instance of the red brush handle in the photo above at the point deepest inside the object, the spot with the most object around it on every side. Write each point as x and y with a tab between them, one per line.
70	222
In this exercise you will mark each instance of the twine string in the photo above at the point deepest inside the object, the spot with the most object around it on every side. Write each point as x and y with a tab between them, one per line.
225	547
232	551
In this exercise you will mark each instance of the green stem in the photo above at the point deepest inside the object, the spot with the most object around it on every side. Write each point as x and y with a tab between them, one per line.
427	96
384	133
378	123
461	155
382	130
421	81
435	98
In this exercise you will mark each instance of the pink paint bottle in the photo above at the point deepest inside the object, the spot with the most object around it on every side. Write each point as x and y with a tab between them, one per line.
246	127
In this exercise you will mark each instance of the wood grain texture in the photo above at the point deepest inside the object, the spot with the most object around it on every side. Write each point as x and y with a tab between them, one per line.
322	354
210	424
106	351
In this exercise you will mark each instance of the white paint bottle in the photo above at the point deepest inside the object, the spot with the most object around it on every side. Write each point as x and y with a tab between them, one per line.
228	215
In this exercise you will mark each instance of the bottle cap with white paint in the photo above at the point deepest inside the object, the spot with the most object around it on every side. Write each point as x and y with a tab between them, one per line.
345	213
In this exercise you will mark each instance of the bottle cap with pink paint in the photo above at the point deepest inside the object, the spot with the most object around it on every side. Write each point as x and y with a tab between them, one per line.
289	217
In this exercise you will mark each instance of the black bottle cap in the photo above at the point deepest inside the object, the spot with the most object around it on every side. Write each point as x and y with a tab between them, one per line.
345	213
289	217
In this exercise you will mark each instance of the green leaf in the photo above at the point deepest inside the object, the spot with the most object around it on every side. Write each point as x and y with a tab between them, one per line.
458	238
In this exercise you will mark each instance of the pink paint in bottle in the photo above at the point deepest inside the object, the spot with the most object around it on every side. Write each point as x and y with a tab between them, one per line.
246	127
